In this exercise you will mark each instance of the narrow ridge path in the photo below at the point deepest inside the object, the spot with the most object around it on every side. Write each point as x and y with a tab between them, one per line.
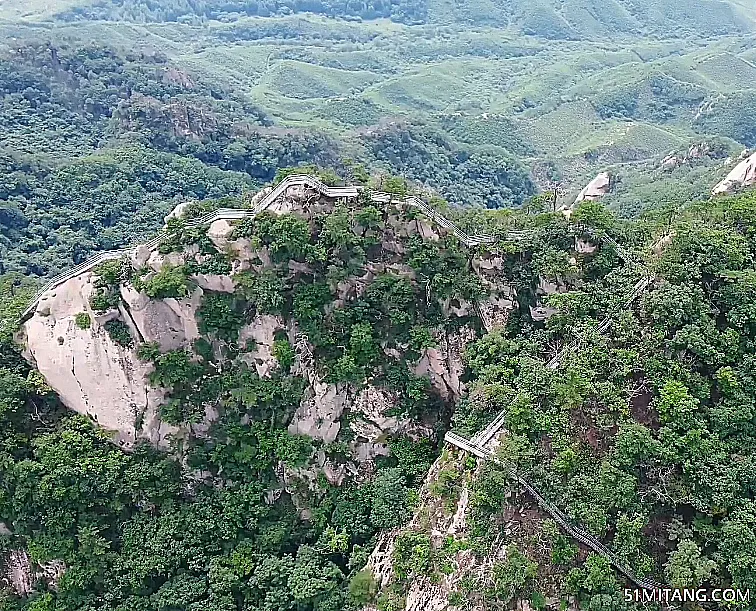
233	214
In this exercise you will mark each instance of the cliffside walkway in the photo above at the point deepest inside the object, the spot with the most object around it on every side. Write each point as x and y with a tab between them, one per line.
264	202
474	446
557	514
477	444
490	431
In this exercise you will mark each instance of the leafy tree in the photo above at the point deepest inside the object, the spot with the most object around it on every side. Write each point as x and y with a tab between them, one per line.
83	320
170	282
413	555
219	314
284	353
737	550
363	587
512	575
594	215
675	405
13	392
392	503
120	333
686	567
594	577
265	290
103	300
313	577
175	367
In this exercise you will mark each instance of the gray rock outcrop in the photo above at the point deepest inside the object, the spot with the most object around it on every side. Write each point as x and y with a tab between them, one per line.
262	333
443	364
442	520
743	175
90	372
95	376
320	412
596	189
219	233
178	211
585	247
542	311
215	282
19	573
170	322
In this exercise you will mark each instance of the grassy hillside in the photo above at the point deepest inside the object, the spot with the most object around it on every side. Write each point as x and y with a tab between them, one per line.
627	84
555	19
297	68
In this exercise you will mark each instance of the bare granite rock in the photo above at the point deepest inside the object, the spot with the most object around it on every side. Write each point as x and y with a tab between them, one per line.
140	256
743	175
495	310
541	313
170	322
158	261
219	283
373	404
19	573
426	230
90	372
584	247
178	211
262	331
595	189
318	415
443	363
440	520
220	233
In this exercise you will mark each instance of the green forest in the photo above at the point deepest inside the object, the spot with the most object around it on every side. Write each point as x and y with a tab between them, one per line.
644	437
251	415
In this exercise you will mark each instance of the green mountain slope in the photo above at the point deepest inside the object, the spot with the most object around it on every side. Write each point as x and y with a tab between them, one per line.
336	341
571	19
596	19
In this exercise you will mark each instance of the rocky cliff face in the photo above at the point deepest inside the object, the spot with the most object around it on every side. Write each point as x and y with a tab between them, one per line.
91	373
439	520
742	175
96	376
451	555
19	573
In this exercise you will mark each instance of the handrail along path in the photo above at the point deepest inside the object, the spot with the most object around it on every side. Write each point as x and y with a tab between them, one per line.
476	445
557	514
235	214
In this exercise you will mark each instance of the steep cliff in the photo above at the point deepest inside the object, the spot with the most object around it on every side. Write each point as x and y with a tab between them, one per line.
476	543
313	355
262	275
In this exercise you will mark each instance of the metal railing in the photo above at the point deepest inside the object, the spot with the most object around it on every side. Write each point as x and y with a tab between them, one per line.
476	445
557	514
234	214
604	325
490	431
